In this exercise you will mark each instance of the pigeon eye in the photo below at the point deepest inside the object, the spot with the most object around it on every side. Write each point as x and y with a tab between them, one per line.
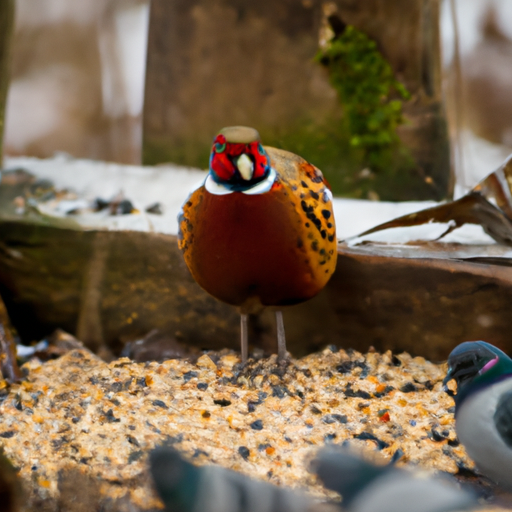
219	148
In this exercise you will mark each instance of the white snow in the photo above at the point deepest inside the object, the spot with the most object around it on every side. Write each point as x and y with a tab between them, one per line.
171	184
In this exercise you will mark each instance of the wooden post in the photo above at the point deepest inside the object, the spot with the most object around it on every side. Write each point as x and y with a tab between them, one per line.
6	27
212	64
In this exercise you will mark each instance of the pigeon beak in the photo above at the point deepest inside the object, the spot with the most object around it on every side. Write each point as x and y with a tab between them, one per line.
448	378
245	166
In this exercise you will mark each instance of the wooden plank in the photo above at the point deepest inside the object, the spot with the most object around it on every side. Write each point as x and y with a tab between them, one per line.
423	305
6	28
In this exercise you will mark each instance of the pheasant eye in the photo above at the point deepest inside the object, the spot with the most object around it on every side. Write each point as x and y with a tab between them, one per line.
219	148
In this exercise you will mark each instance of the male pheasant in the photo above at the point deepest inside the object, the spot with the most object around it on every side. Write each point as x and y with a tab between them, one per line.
260	230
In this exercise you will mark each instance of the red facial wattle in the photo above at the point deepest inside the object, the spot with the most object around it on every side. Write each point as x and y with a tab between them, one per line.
260	159
224	154
222	166
220	163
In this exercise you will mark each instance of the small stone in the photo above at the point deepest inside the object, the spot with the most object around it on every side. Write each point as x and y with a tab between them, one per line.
244	452
278	391
189	375
408	387
229	360
333	418
155	208
355	393
125	207
257	425
437	436
222	402
205	362
135	456
367	436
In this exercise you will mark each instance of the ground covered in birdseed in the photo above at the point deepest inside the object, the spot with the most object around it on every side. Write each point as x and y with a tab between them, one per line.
79	429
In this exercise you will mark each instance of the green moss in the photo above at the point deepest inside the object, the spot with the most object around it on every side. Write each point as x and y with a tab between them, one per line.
371	97
327	145
324	145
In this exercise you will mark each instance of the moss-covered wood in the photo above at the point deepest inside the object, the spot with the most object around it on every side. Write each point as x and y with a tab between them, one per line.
109	286
231	62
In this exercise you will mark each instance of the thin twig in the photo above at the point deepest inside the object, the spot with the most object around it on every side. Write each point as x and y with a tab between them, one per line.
8	363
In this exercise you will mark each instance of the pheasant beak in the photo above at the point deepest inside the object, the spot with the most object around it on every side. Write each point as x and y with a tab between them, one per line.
245	166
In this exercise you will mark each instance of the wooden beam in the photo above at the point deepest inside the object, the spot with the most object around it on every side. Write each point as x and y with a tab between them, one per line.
6	28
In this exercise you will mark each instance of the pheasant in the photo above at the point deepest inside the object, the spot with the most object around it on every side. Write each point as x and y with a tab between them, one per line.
260	231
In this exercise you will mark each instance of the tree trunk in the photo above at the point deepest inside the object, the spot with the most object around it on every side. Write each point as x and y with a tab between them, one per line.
215	64
6	27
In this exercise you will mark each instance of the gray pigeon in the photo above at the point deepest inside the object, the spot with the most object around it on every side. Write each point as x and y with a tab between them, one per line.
483	407
366	487
184	487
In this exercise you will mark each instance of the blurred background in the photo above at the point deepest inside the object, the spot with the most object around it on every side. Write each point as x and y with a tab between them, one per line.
394	100
78	77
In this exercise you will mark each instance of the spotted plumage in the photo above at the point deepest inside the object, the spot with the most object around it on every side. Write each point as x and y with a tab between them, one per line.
260	231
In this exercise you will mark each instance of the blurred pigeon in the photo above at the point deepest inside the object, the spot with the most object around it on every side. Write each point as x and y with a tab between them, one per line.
184	487
367	487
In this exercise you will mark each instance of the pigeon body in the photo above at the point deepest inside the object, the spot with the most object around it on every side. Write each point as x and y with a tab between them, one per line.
483	407
366	487
184	487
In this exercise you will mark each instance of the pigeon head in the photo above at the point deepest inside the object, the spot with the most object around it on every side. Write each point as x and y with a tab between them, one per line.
176	480
475	364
